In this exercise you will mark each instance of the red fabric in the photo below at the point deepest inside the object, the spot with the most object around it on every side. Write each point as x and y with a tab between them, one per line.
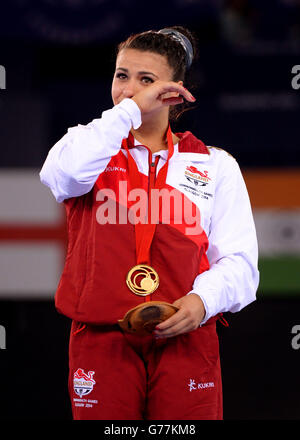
92	288
190	144
145	232
117	376
135	378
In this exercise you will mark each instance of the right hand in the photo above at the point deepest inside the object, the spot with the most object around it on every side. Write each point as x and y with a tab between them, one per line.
161	94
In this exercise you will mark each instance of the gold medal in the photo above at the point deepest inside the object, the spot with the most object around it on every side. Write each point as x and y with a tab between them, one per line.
142	280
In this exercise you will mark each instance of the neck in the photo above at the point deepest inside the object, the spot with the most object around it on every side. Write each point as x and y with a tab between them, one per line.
153	134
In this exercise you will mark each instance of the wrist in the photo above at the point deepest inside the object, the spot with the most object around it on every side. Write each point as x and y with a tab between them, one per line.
133	111
202	306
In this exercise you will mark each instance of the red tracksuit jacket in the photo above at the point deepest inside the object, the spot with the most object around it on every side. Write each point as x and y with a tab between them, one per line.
218	261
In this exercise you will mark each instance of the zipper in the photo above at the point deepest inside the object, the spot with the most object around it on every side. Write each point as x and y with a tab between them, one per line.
152	177
152	173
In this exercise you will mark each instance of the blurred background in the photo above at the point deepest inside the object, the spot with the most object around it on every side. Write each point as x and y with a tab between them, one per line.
57	59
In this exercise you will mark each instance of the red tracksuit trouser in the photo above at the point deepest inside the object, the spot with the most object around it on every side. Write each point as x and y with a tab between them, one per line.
118	376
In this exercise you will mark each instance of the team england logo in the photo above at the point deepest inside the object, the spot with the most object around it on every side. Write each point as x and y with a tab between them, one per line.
83	383
197	177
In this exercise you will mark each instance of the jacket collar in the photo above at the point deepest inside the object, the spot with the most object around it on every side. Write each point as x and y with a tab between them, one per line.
188	143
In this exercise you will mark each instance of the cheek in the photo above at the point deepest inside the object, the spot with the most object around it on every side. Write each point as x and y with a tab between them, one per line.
115	90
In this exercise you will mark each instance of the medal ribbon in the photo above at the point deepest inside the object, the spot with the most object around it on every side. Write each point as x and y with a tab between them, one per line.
144	232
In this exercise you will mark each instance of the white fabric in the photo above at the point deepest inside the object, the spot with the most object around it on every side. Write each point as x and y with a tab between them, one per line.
233	278
74	163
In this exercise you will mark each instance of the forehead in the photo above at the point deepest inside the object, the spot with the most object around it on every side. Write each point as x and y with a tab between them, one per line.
137	60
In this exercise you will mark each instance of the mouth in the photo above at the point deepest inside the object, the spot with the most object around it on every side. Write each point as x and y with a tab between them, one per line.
117	101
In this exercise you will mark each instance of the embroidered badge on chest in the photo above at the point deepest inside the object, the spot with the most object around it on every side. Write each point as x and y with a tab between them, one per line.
195	182
197	177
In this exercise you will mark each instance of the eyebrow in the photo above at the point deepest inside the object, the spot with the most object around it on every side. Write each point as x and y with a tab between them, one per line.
140	73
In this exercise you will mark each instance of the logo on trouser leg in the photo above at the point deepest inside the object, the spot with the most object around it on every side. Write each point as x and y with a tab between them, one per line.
200	385
83	383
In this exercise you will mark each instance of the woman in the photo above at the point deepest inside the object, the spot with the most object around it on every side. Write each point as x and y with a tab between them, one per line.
101	172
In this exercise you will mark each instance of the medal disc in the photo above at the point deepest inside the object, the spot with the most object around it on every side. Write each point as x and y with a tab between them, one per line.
142	280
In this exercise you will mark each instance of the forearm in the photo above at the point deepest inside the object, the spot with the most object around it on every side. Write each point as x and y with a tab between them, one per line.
74	163
229	285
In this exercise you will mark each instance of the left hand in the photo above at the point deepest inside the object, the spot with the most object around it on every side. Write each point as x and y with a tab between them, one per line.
189	316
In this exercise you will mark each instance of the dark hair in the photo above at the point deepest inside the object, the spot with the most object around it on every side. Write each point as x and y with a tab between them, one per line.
166	45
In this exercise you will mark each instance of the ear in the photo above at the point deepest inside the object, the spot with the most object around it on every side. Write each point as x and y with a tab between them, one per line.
180	83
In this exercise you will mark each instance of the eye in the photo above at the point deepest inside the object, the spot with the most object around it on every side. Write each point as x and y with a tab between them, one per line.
147	80
121	75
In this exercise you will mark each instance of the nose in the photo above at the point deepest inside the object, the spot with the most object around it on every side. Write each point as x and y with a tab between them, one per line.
129	89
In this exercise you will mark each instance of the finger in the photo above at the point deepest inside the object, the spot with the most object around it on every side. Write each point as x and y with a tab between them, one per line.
169	95
181	327
172	101
173	320
175	87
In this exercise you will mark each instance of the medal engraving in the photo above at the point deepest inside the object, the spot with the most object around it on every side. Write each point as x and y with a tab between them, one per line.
142	280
